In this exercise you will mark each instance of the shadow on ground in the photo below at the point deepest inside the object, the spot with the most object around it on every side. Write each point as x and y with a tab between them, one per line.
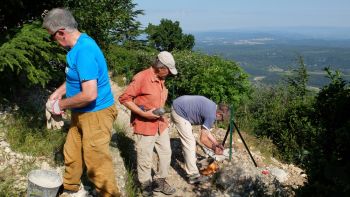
177	157
126	147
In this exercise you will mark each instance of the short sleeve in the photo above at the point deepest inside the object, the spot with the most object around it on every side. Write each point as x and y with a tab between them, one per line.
209	115
209	122
87	66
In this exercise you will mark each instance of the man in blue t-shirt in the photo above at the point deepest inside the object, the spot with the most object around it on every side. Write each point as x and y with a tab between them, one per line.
88	95
196	110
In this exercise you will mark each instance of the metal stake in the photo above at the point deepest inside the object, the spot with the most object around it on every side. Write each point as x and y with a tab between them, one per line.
230	130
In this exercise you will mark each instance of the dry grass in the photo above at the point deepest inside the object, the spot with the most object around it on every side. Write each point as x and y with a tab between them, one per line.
261	146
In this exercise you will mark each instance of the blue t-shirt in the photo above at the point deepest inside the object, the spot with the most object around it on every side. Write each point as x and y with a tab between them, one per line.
85	61
198	110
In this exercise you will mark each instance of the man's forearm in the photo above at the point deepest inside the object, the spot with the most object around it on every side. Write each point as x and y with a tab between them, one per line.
137	110
76	101
59	92
86	96
206	140
134	108
62	89
209	141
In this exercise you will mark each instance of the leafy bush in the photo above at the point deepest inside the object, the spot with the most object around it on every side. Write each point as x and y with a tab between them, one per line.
107	21
210	76
329	164
282	113
27	59
126	63
310	130
284	119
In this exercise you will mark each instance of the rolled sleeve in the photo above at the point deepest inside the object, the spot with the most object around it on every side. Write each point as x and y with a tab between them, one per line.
131	92
147	91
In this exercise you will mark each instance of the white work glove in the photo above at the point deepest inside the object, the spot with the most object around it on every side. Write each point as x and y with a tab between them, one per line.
53	121
53	107
53	113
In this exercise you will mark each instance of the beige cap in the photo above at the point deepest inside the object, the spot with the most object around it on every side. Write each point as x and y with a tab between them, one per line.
168	60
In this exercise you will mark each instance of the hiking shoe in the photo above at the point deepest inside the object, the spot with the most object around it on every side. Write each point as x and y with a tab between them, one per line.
146	189
197	178
80	193
160	185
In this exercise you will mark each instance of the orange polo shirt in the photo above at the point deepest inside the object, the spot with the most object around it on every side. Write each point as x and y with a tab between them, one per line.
147	90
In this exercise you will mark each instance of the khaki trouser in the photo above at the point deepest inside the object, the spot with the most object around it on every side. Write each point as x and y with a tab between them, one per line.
144	147
188	142
88	141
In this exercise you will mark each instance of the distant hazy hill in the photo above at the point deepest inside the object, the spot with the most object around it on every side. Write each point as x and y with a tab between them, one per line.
267	54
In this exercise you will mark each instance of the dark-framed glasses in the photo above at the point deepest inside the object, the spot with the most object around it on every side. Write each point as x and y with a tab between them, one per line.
52	36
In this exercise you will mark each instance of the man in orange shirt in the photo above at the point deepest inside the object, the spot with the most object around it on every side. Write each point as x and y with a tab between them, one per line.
145	93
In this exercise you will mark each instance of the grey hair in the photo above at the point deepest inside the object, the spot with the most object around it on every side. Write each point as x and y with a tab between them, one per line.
59	18
157	64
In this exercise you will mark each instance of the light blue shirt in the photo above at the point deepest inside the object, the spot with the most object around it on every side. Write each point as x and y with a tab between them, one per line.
85	61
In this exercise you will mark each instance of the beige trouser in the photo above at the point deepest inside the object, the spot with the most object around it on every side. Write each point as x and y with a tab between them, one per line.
88	142
144	147
188	142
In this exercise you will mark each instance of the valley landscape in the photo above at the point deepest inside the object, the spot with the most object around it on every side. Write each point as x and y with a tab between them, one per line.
269	55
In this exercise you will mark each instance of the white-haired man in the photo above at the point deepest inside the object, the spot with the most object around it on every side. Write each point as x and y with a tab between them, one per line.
88	95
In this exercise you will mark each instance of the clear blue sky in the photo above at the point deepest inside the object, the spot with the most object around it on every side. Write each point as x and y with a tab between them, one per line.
203	15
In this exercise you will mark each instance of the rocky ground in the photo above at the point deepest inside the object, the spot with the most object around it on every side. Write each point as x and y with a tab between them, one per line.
238	177
14	166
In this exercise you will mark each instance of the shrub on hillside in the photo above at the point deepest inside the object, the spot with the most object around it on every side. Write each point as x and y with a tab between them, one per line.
329	164
310	130
124	62
210	76
277	114
27	59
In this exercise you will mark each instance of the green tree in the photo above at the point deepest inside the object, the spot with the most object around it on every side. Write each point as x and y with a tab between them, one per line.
125	63
283	115
210	76
28	59
299	79
168	36
107	21
14	13
329	163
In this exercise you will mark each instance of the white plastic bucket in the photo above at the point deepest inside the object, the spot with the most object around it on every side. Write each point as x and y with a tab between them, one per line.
43	183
